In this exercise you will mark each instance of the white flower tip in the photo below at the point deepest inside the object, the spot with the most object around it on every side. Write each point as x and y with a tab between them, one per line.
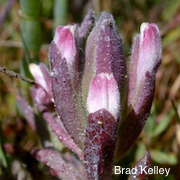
104	93
65	40
37	74
35	70
150	51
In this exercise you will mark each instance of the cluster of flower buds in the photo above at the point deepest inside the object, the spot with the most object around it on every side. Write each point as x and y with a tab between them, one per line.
101	107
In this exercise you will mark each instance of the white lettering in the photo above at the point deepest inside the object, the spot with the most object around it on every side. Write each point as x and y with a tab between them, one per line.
167	172
143	169
150	171
134	170
128	171
161	171
123	170
117	169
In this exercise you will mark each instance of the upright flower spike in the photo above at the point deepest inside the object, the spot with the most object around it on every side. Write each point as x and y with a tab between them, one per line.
64	62
146	59
97	139
104	54
103	104
150	52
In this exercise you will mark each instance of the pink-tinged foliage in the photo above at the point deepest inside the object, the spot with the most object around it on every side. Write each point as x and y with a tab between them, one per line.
143	163
65	99
57	127
104	93
99	145
58	165
27	111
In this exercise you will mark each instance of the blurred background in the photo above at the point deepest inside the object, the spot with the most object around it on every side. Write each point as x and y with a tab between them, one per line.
27	28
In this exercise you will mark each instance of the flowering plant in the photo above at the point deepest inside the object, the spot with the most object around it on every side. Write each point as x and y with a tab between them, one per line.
101	108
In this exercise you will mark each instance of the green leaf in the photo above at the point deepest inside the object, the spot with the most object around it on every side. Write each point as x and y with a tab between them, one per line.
141	150
163	125
3	158
30	28
30	8
170	10
60	12
150	125
163	158
172	36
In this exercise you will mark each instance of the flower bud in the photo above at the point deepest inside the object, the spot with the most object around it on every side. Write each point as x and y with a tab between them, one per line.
145	60
65	41
64	64
104	54
149	51
104	93
146	57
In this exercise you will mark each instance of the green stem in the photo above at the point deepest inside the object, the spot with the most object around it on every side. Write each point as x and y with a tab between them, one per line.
3	158
60	12
176	111
31	36
30	29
